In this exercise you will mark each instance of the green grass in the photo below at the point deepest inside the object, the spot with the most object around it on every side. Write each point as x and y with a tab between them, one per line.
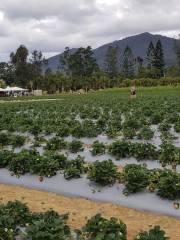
118	92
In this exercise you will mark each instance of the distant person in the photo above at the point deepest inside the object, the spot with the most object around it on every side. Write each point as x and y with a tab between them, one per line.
133	91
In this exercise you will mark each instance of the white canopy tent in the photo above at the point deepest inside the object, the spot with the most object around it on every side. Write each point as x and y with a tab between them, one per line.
13	89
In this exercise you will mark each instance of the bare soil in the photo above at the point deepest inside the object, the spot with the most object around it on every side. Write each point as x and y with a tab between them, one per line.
134	220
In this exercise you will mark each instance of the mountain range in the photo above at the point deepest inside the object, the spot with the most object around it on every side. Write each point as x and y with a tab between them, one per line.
138	44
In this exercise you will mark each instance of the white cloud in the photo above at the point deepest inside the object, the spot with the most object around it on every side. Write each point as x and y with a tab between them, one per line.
50	26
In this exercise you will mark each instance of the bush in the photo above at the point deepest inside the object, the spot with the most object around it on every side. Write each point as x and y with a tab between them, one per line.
104	172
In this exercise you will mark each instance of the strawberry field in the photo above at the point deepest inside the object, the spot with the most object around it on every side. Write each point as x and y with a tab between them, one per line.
75	147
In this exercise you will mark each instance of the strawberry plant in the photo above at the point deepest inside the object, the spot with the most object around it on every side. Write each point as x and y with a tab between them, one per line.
145	133
95	113
35	129
63	131
56	143
75	146
135	177
8	229
169	184
48	129
17	140
60	158
168	136
111	132
120	149
4	139
5	158
97	148
104	172
131	122
156	118
36	144
39	139
168	153
144	151
75	168
90	129
49	228
144	121
22	161
72	172
129	132
116	122
100	228
11	139
153	234
164	126
101	124
78	131
172	118
177	127
18	211
46	167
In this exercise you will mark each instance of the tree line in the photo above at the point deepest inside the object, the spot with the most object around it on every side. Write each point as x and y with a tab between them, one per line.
81	71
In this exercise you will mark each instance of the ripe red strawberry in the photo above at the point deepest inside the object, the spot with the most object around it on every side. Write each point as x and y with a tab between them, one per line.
175	164
12	174
162	133
151	190
40	179
122	181
173	167
22	172
137	130
163	165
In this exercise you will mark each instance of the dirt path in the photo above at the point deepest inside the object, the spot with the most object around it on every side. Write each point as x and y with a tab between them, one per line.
31	100
134	220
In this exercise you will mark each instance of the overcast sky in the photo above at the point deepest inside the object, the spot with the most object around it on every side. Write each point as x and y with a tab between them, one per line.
51	25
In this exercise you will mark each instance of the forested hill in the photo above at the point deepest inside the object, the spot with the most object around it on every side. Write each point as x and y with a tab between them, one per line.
138	44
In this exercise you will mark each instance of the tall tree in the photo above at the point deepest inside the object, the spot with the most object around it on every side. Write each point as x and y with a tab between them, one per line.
158	58
20	62
150	55
127	64
176	49
80	64
27	70
111	62
65	62
90	65
138	62
36	62
7	73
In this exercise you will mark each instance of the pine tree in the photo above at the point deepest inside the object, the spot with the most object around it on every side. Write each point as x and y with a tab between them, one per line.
110	62
127	63
150	55
158	58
